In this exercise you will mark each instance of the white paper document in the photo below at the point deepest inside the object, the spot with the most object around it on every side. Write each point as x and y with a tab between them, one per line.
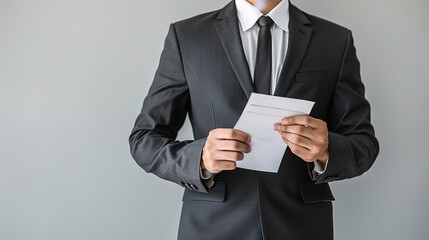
260	114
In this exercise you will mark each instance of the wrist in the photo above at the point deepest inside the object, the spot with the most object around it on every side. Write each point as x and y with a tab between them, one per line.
324	158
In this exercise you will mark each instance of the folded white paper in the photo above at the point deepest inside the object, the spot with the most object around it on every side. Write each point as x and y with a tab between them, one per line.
258	117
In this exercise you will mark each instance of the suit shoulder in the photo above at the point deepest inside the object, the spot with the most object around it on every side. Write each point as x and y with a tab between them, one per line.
196	21
326	26
320	25
196	29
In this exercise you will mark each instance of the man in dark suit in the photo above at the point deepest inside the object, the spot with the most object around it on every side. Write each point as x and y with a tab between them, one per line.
210	65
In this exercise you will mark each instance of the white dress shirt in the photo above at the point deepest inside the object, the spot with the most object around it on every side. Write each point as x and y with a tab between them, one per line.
248	15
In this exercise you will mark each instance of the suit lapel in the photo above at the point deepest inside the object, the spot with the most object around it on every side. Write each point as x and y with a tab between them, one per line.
299	38
229	35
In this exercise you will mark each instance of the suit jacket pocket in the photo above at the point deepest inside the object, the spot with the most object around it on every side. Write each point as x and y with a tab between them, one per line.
312	77
313	193
216	194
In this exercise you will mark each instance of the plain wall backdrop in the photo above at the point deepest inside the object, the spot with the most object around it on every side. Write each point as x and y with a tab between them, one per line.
73	75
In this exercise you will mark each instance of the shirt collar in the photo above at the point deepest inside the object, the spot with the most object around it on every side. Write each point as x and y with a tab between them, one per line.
249	14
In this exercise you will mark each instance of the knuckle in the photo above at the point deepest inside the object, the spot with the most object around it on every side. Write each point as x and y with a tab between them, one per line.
208	165
213	133
223	166
210	155
232	133
215	145
301	129
206	149
213	155
307	121
231	166
209	146
211	138
205	153
215	166
235	145
206	157
297	139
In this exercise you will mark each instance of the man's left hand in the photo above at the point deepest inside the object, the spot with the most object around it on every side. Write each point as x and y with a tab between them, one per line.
307	137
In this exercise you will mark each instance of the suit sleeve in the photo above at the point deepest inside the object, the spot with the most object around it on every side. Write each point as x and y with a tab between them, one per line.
353	147
153	141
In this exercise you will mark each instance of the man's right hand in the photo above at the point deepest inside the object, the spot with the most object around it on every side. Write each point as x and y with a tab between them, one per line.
223	148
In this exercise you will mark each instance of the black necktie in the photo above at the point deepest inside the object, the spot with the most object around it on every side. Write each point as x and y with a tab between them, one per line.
262	76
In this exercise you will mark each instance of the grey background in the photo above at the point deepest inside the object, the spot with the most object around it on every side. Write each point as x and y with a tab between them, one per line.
73	76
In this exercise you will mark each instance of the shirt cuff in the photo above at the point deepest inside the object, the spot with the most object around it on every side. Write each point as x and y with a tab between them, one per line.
319	168
207	178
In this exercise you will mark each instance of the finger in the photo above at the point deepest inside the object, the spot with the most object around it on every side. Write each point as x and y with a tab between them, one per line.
231	134
219	166
308	154
299	151
316	145
225	165
232	145
298	140
303	120
228	156
296	129
277	127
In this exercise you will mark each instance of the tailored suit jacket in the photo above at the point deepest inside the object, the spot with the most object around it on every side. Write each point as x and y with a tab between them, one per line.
203	72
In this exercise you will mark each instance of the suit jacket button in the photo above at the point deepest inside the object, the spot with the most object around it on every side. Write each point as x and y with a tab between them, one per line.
193	187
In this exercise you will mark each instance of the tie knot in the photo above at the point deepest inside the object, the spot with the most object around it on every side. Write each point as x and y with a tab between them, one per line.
265	21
